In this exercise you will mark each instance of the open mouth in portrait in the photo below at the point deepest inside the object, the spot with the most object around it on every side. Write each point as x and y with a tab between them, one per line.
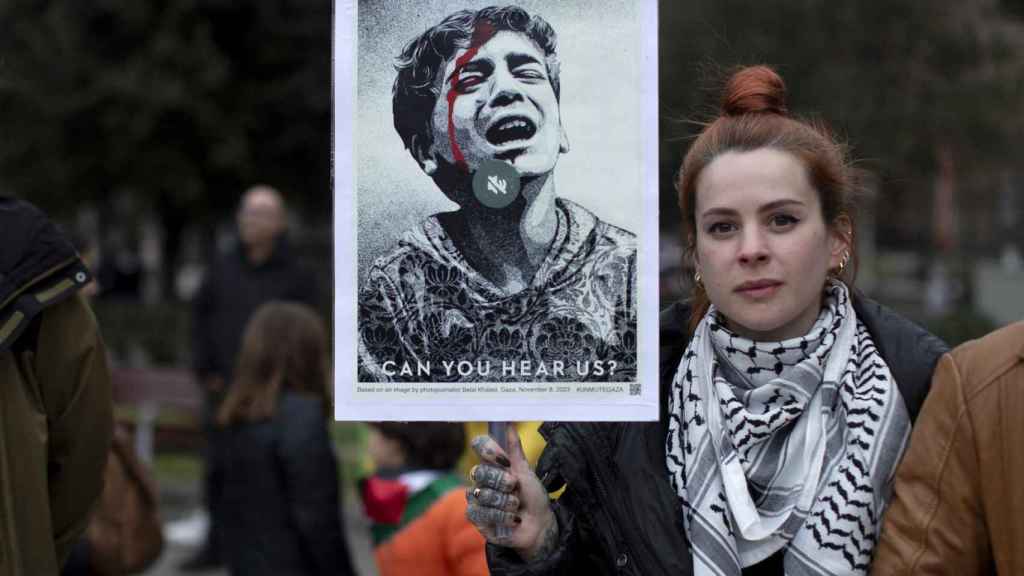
511	131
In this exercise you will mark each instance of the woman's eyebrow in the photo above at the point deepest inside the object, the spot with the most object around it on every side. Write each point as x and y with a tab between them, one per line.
773	205
718	211
780	203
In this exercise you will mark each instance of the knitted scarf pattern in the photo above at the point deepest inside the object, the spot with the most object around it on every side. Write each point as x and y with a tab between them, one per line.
785	445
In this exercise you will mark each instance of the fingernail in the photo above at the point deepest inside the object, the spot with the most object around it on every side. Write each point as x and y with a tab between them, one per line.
518	520
503	461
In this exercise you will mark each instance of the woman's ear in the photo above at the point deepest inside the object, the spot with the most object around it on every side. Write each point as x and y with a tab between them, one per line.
840	240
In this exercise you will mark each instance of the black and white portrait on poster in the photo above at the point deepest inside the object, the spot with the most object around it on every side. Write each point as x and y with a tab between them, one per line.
496	210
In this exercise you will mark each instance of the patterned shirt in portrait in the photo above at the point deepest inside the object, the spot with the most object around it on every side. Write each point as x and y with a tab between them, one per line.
424	312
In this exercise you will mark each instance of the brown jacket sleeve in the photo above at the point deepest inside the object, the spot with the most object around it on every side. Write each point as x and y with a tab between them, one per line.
935	523
74	381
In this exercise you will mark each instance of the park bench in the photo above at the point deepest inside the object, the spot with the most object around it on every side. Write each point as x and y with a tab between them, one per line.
161	402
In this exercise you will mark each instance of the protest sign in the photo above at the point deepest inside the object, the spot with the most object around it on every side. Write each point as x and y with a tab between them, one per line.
495	204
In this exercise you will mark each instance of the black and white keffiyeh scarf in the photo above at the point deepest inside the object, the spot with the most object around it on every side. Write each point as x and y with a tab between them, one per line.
788	444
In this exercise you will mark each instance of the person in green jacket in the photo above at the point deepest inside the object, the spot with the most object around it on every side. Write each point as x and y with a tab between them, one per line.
55	398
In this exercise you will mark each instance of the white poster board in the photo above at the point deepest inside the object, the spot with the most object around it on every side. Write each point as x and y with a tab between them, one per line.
495	210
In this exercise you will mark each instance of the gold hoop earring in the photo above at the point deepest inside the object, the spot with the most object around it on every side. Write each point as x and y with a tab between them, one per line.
697	279
842	263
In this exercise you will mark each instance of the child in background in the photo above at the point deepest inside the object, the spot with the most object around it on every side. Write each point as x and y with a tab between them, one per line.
417	503
282	508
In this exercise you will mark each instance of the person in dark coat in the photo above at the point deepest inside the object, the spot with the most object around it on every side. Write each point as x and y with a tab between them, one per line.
261	269
787	398
281	507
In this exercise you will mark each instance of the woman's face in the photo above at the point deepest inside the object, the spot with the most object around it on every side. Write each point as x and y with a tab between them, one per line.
762	247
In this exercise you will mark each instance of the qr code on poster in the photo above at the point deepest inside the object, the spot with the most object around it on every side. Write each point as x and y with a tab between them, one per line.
634	389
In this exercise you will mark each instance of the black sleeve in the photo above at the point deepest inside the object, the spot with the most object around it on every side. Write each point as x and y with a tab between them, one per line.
570	558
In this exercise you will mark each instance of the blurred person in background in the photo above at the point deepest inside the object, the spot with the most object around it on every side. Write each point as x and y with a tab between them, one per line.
281	506
787	397
260	269
958	506
416	503
120	272
54	392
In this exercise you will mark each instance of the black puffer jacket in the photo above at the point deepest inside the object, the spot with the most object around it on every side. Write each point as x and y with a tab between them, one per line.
619	513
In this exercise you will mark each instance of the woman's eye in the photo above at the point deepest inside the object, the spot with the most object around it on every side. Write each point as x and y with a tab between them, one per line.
719	228
783	221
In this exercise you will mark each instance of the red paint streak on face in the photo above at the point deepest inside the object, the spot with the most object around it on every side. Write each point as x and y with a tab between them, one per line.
481	34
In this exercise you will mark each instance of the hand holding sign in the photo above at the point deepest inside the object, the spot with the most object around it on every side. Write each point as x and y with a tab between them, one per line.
507	502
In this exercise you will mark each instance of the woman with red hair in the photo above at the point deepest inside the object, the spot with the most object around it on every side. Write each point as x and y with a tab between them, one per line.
787	397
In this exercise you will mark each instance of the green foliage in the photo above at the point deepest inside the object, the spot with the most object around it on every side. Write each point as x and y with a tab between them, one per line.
349	439
177	469
185	101
960	326
150	335
899	79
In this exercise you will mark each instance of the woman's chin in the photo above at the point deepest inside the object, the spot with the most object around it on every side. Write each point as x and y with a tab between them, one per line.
760	328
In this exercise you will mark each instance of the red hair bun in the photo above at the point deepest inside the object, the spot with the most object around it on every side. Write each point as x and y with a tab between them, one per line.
752	90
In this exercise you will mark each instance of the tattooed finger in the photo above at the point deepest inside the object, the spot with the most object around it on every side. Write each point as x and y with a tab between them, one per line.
490	517
502	537
494	537
487	449
486	476
494	499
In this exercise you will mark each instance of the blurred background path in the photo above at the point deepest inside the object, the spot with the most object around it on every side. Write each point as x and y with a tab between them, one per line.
184	525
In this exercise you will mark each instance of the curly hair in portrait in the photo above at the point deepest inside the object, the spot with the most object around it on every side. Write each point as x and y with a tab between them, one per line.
284	347
417	87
